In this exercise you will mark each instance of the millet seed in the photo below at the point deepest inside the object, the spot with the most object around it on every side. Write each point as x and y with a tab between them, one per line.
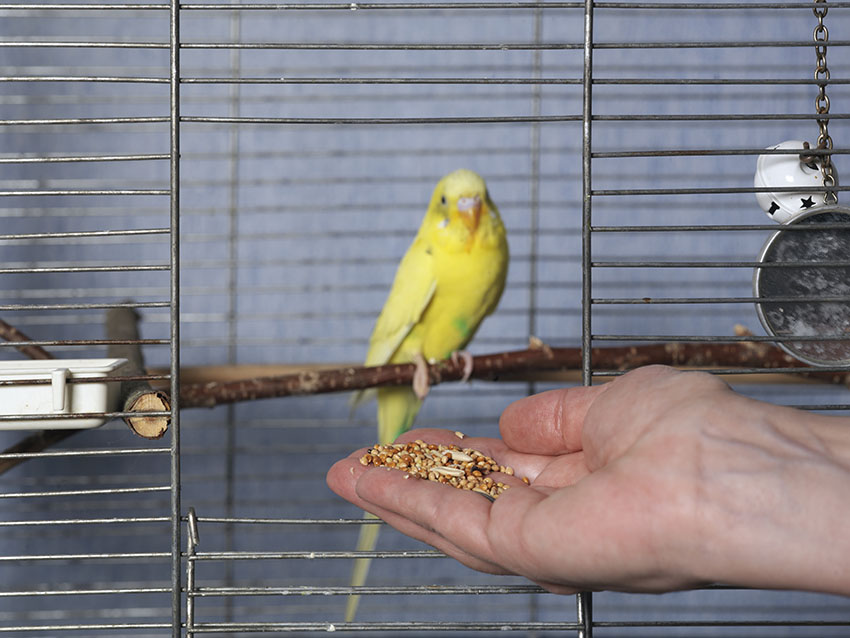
449	464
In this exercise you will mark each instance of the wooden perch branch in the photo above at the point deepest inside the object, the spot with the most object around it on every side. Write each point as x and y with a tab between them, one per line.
33	444
504	365
12	334
122	325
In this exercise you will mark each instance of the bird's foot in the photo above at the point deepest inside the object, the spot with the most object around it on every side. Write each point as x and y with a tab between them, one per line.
467	363
421	384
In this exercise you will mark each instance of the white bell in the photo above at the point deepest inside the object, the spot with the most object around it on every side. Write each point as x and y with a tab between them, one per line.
777	170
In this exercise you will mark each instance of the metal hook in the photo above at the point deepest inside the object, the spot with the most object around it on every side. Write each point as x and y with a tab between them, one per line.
194	538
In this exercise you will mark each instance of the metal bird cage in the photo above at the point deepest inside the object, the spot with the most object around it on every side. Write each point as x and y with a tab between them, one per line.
243	178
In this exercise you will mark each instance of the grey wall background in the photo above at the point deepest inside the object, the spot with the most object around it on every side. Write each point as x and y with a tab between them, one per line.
291	231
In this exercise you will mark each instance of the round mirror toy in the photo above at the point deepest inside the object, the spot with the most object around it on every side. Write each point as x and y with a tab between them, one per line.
803	286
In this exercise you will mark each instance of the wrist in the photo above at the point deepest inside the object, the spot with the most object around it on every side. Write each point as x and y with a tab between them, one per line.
824	519
776	483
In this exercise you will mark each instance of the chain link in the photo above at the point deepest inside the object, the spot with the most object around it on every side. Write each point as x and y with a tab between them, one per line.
821	38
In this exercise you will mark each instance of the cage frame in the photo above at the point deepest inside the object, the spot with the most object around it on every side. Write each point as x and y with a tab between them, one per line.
185	525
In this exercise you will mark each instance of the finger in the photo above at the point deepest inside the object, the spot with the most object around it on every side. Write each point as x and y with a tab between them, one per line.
406	488
462	524
460	517
343	477
548	423
563	470
343	474
556	588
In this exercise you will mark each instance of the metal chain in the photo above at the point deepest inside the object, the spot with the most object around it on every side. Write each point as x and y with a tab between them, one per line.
821	37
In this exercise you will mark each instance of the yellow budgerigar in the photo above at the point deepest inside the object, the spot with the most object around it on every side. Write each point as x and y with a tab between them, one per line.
451	277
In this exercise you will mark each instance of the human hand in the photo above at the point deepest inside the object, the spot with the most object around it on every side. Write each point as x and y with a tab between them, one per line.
659	480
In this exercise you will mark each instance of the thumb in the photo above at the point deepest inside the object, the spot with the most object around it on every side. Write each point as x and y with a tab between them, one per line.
550	422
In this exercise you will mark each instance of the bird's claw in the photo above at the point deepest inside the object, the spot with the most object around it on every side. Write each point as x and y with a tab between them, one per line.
467	363
421	383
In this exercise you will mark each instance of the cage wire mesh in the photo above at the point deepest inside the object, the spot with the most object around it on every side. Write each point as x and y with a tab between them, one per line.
310	136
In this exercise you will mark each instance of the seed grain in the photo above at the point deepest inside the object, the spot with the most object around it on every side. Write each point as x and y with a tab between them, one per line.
463	468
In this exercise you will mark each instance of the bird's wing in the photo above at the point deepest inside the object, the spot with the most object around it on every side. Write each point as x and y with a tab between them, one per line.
412	290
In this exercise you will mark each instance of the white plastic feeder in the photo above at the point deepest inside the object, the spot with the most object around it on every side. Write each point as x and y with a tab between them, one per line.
30	400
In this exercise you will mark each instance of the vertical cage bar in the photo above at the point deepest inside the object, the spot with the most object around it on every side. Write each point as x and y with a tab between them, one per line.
583	599
176	522
586	363
584	614
534	194
235	102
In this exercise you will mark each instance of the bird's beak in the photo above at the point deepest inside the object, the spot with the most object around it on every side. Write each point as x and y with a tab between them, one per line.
470	212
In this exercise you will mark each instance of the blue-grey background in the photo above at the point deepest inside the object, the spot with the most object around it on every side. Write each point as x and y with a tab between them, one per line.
290	233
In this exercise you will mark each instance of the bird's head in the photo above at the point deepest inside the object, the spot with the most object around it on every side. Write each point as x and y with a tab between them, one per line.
460	202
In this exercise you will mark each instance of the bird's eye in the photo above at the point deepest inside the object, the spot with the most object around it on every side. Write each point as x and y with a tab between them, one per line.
443	200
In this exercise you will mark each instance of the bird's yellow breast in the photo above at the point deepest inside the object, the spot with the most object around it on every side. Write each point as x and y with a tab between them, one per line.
469	284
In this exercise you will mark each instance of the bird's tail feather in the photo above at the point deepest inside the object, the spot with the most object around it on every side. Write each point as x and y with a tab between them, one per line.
361	396
366	542
397	409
